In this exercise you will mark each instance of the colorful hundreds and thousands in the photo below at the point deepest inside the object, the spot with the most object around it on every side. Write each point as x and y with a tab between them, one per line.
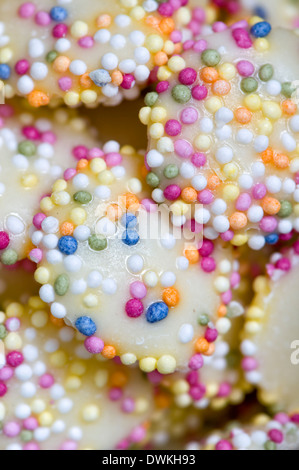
104	274
283	13
54	396
223	127
263	433
86	52
271	333
35	149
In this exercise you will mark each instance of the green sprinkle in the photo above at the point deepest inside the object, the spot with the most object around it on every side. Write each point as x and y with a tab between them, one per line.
26	436
9	257
151	98
83	197
203	320
27	148
249	85
152	180
51	56
97	243
181	94
171	171
210	57
3	332
270	445
287	89
62	284
266	72
286	209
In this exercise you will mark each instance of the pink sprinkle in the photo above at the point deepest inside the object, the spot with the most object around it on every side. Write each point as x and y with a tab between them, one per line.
284	264
219	26
173	127
165	9
295	418
259	191
235	280
176	36
46	381
208	264
199	159
4	240
69	445
86	42
95	153
227	297
183	148
197	392
138	434
189	115
22	67
245	68
69	174
206	249
128	81
192	377
94	345
31	446
15	358
242	38
227	236
249	364
134	308
138	290
3	390
115	394
123	445
13	324
240	24
211	335
60	30
243	202
172	192
155	377
6	111
12	429
188	45
193	226
42	18
80	152
30	423
276	436
224	445
31	133
49	137
195	28
199	92
6	373
200	45
36	255
196	362
128	405
149	205
26	10
38	220
205	197
199	15
113	159
162	87
224	390
188	76
282	418
296	247
268	224
65	83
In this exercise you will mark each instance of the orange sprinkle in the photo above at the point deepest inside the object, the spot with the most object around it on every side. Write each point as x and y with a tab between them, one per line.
209	74
109	352
222	311
118	379
131	202
117	78
271	205
38	98
171	297
238	220
281	161
67	228
61	64
160	58
103	21
85	81
192	254
267	155
289	107
243	115
162	401
82	164
153	22
178	48
211	350
57	321
202	346
189	195
167	25
114	212
213	182
144	172
221	87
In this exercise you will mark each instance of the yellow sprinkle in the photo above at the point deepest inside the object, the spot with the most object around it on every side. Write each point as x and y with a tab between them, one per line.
61	198
39	319
176	64
158	114
163	73
265	127
38	406
154	43
58	359
90	413
78	368
239	240
59	185
128	359
156	131
101	378
141	405
254	20
78	216
202	142
169	47
166	364
213	104
253	102
13	341
271	110
183	16
106	177
45	419
261	45
89	96
137	13
252	327
255	313
179	208
6	54
90	301
79	29
231	171
145	114
71	98
73	383
46	204
14	310
231	192
179	387
29	181
97	165
148	364
227	71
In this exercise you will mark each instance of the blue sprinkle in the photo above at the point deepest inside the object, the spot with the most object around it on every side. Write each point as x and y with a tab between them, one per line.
68	245
100	77
157	312
129	221
272	239
4	72
130	237
58	14
261	30
86	326
261	12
